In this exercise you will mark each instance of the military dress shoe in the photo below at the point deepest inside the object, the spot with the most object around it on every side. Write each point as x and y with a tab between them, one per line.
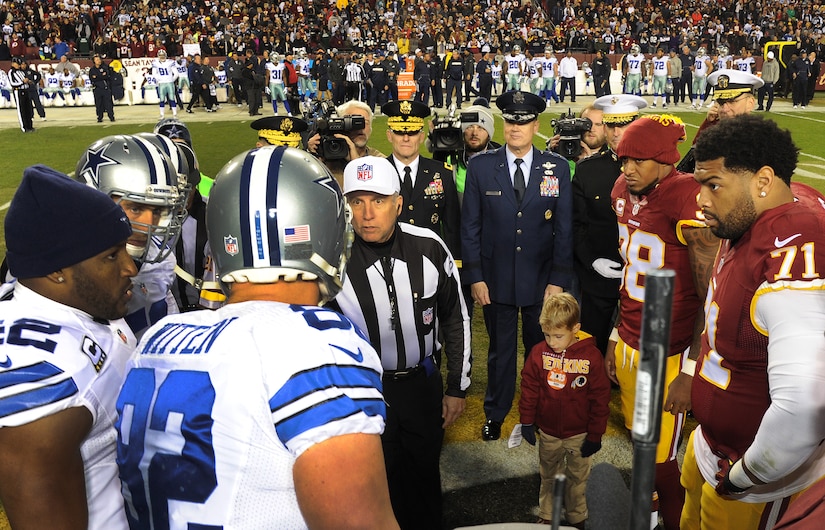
491	430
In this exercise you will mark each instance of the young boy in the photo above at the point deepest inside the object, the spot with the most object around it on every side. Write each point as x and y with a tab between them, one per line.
565	393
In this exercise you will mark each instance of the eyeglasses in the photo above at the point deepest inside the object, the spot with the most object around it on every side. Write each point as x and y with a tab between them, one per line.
731	101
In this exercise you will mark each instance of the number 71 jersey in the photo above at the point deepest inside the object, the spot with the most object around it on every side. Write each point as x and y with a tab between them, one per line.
218	405
783	250
651	237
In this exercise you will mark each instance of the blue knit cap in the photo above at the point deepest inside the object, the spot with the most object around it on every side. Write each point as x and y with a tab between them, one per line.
55	222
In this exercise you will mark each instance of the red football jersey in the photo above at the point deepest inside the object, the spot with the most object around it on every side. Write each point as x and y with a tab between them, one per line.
730	391
650	238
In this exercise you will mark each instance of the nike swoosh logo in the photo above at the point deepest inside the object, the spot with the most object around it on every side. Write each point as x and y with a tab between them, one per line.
784	242
357	356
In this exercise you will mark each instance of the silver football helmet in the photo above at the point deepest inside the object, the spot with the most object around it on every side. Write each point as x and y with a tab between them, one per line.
175	154
276	214
130	168
723	51
635	49
701	52
175	129
162	55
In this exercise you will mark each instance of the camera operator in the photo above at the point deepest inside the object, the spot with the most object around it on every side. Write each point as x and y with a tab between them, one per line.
575	138
427	186
356	139
598	264
455	140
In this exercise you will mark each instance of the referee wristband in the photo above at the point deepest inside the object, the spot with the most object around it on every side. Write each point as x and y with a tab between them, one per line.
689	367
614	335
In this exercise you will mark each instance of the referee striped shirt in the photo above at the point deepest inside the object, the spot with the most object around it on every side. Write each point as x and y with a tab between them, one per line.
354	72
405	297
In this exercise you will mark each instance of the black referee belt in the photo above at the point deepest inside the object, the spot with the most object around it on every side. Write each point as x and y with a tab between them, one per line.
427	366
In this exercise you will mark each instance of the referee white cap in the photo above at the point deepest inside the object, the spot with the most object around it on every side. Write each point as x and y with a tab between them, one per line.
371	173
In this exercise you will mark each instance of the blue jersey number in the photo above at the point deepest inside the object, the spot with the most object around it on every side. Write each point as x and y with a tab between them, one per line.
182	412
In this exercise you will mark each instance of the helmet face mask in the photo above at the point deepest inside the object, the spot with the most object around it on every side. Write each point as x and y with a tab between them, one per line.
130	168
277	214
176	156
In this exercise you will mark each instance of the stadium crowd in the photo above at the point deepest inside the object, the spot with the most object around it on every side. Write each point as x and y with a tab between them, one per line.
117	29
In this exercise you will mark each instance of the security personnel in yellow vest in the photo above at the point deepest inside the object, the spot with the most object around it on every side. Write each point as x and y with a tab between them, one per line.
427	186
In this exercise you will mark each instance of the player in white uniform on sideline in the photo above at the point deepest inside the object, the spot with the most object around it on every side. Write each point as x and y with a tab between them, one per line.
633	73
276	83
302	66
63	356
274	420
143	180
534	66
67	86
660	63
514	69
702	66
549	73
182	66
51	86
495	72
165	71
5	89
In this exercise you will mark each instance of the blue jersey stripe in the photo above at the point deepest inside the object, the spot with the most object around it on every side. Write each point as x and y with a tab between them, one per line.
38	397
327	412
273	172
320	378
28	374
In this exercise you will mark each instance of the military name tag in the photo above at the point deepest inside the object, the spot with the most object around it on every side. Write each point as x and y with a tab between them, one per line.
493	192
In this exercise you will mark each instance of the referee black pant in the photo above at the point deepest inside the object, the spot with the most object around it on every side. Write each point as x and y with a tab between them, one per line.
24	109
412	446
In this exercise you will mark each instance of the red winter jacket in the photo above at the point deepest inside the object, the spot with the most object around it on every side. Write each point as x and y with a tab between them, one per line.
566	394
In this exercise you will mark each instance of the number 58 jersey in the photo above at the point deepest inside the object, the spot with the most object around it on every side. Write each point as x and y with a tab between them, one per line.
218	405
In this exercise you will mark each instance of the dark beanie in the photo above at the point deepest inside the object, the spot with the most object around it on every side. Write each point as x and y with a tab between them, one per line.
55	222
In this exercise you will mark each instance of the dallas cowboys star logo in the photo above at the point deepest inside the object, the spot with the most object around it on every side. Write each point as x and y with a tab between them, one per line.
174	132
326	181
96	158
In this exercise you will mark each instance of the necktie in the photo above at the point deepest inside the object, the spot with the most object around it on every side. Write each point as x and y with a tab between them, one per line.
518	181
406	184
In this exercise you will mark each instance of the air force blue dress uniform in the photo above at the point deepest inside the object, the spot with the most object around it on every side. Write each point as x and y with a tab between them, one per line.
516	248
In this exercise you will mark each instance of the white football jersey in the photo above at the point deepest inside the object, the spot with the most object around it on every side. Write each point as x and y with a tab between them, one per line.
218	405
495	71
165	71
660	66
54	358
52	80
152	298
276	72
634	63
513	62
536	67
182	68
67	81
548	66
220	76
700	67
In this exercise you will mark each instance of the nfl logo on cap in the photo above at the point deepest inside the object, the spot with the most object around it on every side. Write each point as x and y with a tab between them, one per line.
364	172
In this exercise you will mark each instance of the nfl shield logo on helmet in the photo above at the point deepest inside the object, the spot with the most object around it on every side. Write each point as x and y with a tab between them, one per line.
364	172
230	245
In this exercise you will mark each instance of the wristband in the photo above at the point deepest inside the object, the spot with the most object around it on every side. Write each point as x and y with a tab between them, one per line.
689	367
738	476
614	335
